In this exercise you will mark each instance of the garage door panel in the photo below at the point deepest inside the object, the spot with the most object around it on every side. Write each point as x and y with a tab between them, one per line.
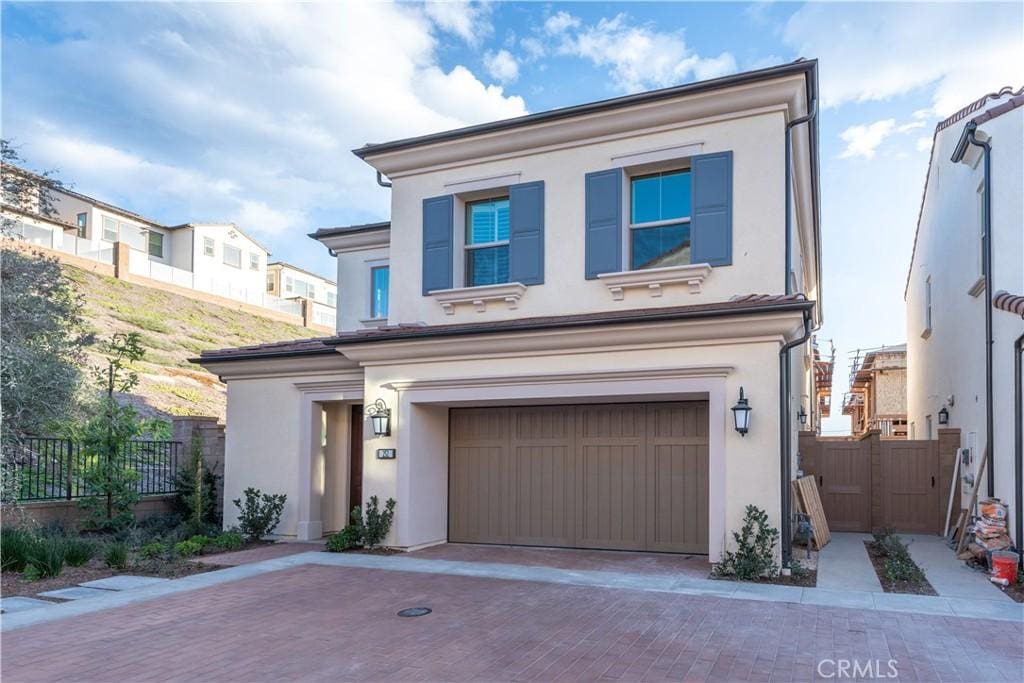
622	476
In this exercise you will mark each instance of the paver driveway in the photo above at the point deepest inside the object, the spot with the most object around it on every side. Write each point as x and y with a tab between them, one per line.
338	623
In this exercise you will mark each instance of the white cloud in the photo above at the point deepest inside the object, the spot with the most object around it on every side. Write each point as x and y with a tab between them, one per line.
559	23
907	127
882	52
467	20
533	47
924	144
640	57
862	141
155	106
502	66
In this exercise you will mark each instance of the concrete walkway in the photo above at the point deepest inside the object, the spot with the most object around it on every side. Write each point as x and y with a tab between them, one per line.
950	577
919	604
844	565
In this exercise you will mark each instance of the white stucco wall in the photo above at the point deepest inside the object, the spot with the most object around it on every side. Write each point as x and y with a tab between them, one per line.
321	285
758	222
214	276
951	361
354	285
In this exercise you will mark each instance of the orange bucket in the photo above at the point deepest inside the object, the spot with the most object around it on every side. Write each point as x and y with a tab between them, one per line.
1004	565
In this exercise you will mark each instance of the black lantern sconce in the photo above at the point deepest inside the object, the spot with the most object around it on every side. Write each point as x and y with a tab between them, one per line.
741	414
944	416
802	417
380	417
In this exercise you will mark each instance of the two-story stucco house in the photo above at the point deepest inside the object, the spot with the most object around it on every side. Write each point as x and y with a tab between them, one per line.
287	281
964	296
558	320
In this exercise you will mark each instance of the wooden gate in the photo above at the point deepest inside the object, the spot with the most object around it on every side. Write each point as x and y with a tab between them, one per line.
868	484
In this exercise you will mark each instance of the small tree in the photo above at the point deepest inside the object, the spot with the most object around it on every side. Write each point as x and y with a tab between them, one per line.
111	481
197	490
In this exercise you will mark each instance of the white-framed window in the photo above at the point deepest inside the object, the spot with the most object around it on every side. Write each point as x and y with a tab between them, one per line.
380	285
109	229
232	256
82	222
332	298
487	232
254	261
659	219
927	307
208	246
270	282
156	244
289	284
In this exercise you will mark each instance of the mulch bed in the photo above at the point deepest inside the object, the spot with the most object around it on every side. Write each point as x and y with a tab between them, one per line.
806	579
13	583
1015	591
878	558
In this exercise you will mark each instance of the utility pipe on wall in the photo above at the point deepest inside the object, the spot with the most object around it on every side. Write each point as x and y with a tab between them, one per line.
1018	446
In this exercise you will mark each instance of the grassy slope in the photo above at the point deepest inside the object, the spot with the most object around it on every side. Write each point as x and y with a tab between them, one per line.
173	328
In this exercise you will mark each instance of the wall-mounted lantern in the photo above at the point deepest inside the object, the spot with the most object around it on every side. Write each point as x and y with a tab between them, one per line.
741	414
944	416
802	416
380	417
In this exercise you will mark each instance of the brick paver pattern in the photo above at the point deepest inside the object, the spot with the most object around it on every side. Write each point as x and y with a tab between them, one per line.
332	623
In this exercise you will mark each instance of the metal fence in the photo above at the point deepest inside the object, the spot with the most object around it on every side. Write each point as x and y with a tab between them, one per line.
56	469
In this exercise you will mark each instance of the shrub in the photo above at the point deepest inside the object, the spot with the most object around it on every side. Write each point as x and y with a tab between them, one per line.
187	548
152	551
31	573
16	546
199	540
229	540
260	514
899	566
116	555
47	557
377	523
754	557
347	538
78	551
197	489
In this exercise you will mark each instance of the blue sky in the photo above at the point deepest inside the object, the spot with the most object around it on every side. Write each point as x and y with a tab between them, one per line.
247	113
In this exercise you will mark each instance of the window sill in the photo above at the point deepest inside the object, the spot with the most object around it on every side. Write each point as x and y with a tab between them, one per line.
508	292
978	287
373	322
654	280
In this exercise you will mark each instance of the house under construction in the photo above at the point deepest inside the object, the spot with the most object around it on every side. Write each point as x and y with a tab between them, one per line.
877	398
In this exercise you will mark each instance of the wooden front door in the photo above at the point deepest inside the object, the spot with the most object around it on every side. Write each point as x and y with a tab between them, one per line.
355	473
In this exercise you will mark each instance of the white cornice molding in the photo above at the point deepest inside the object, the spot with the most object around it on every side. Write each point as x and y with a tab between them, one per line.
357	241
509	292
343	384
295	367
493	381
773	328
655	279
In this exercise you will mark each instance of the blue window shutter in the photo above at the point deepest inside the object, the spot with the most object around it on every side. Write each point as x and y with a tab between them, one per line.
711	223
438	241
526	233
603	222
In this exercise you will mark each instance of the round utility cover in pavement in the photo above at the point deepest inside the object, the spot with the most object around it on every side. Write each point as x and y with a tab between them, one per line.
414	612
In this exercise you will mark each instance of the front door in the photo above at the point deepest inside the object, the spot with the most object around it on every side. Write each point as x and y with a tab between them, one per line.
355	475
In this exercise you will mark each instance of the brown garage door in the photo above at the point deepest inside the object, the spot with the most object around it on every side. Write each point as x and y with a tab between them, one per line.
626	477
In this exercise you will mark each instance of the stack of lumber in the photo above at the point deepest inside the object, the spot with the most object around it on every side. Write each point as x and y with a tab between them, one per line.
809	501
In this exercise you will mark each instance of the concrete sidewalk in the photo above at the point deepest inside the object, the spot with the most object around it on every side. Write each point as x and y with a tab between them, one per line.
950	577
865	600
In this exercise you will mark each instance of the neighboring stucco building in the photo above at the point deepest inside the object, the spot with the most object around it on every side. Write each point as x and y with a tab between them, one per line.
877	398
573	302
953	291
291	282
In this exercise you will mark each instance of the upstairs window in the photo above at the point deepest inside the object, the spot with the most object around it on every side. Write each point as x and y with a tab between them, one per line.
289	285
232	256
109	229
208	246
83	220
254	261
270	282
332	298
487	224
659	220
380	277
156	244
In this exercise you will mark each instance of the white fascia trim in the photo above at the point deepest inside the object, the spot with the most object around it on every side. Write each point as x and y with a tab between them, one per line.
654	279
359	241
509	292
488	183
694	371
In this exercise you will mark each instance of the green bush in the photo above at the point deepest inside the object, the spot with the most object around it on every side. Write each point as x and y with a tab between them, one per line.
754	557
116	555
200	540
78	551
47	557
377	523
229	540
347	538
152	551
187	548
16	546
899	566
31	573
260	514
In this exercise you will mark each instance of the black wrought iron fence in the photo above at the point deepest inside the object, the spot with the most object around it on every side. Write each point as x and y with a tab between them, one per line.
57	469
